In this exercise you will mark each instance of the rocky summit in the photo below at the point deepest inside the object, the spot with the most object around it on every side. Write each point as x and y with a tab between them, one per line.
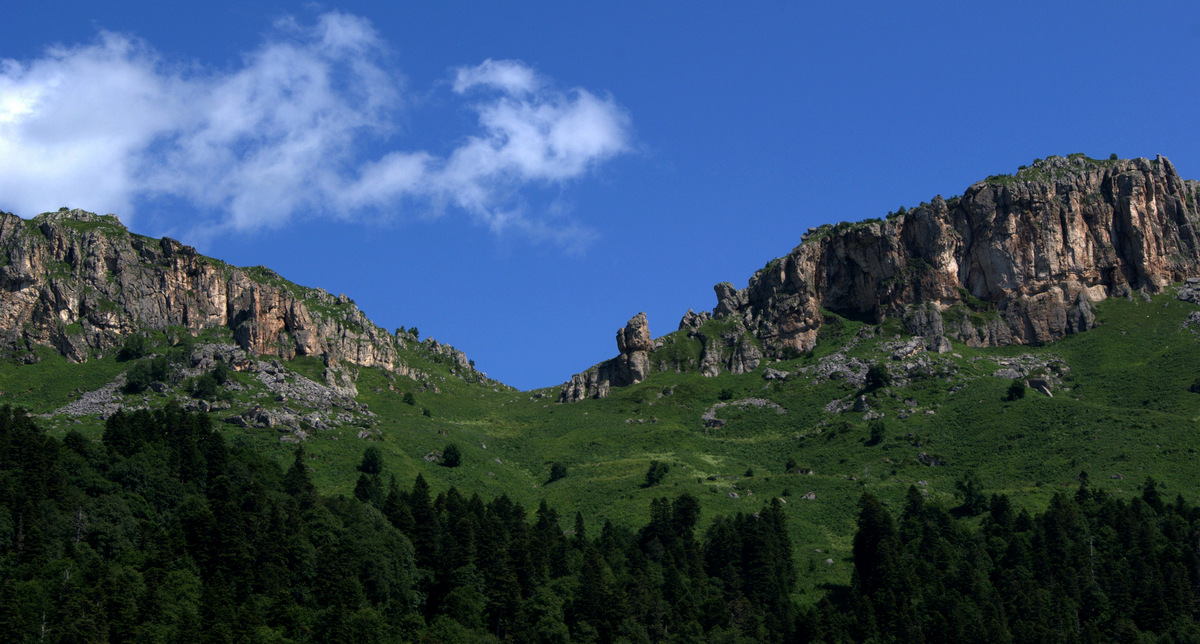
1017	259
82	283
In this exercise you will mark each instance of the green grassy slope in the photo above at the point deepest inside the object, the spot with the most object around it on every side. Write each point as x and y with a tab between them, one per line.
1123	412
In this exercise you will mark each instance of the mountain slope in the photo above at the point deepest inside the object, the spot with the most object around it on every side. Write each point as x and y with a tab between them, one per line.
737	419
1017	259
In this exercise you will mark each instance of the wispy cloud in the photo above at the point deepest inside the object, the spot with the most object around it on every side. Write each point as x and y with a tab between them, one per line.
111	124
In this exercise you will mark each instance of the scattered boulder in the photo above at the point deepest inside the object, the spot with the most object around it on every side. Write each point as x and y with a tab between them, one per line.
909	348
930	460
710	416
838	406
939	344
1189	291
1192	322
1041	385
837	366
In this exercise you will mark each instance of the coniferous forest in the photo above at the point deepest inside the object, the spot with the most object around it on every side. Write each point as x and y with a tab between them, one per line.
163	532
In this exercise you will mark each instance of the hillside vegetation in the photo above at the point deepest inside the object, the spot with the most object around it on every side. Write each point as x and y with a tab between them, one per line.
996	497
878	438
1122	412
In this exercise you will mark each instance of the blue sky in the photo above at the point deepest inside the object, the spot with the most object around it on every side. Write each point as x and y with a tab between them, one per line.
520	181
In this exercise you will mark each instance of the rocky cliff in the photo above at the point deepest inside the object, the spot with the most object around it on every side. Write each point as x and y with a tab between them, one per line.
80	283
1017	259
631	365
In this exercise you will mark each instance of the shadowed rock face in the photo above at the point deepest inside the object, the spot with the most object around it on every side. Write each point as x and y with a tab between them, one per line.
79	283
1027	254
1016	260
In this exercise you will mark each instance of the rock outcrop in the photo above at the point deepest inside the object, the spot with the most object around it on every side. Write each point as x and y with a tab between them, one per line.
1016	260
631	365
80	283
731	349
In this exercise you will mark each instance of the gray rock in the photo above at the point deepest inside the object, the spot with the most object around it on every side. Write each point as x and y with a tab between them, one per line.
692	320
939	344
1041	385
924	320
630	367
1006	257
909	348
932	461
838	406
710	416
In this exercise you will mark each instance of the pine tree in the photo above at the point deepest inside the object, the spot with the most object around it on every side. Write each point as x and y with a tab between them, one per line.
297	482
372	461
425	524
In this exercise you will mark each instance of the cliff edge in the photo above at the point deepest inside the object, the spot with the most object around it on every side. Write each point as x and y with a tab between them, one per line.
81	282
1017	259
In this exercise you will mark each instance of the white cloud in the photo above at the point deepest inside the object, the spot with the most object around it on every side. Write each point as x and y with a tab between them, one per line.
108	125
510	76
530	134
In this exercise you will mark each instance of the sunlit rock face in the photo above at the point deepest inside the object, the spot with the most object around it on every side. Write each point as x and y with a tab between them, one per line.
1015	260
81	282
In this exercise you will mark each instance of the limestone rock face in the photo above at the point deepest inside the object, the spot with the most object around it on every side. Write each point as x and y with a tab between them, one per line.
733	350
634	344
80	282
635	336
1016	260
693	320
631	365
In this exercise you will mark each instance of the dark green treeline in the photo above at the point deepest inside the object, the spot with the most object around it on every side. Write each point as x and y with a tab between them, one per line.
1091	568
164	533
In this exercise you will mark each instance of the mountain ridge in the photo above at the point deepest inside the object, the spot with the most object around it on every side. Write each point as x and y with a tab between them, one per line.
1017	259
81	283
869	408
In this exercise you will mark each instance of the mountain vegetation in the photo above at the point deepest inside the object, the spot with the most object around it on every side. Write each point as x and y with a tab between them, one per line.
975	419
